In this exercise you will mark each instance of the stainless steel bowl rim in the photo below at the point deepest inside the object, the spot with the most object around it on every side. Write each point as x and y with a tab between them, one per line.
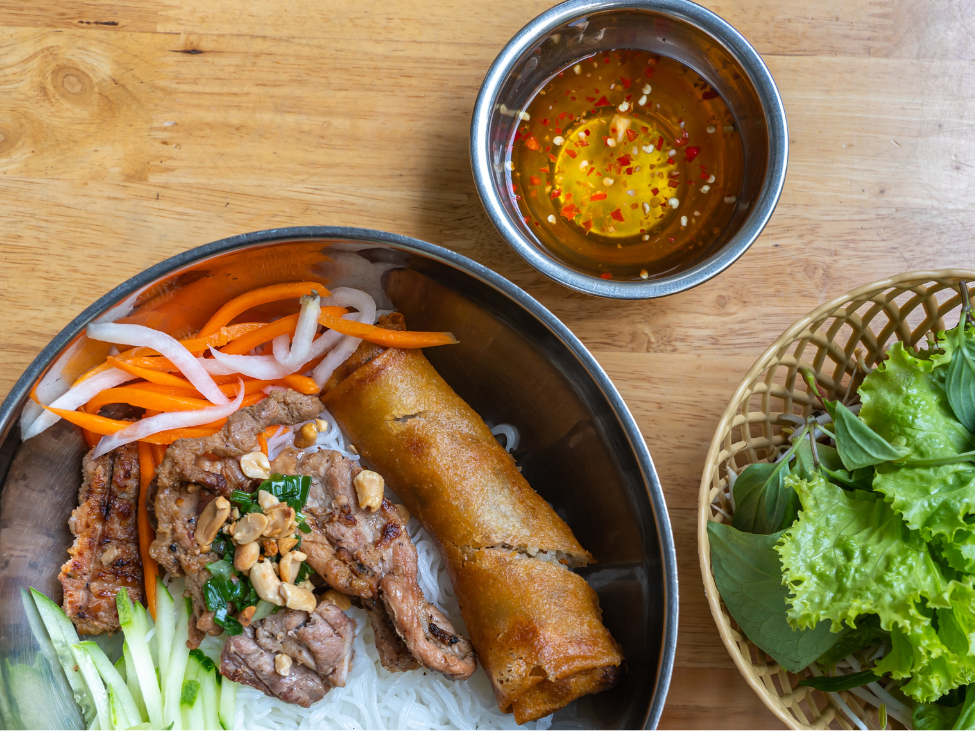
767	91
12	405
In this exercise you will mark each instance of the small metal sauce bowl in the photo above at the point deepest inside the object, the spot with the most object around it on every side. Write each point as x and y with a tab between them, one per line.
677	28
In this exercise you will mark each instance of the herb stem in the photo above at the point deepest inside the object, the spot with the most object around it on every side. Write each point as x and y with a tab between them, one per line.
939	461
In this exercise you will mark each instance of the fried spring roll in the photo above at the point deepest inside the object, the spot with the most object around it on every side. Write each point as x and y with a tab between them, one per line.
535	624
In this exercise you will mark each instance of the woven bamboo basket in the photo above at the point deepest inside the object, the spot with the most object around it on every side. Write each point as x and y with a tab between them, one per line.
861	323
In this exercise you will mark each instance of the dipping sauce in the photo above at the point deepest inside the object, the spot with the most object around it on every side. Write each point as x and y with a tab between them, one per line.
626	164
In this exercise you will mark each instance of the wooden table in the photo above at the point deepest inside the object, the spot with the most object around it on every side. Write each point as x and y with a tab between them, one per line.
132	130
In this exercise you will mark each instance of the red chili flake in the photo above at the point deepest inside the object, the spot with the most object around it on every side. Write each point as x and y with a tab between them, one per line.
704	175
670	239
591	171
597	196
590	99
543	170
552	157
691	152
532	144
561	115
517	136
567	92
617	215
628	97
660	143
603	102
587	225
624	160
548	148
683	139
533	194
595	90
558	130
654	191
583	143
606	140
537	224
629	171
648	72
572	98
571	115
556	193
670	161
606	60
634	205
645	130
631	135
626	82
568	197
606	275
571	153
534	180
527	221
545	122
709	95
568	210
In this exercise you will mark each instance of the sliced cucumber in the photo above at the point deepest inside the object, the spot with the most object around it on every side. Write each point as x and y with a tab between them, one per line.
135	627
62	634
93	681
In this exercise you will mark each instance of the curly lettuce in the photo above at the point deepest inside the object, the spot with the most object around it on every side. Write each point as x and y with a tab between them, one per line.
904	401
850	555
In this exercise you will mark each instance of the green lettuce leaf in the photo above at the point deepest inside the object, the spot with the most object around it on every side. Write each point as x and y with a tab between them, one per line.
850	555
748	575
936	660
904	401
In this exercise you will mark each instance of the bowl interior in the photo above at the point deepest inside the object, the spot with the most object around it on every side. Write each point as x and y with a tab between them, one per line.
668	32
513	365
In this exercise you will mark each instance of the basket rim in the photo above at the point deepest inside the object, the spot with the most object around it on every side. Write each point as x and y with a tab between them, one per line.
710	462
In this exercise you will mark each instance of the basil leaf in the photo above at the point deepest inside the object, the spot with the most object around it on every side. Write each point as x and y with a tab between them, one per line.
868	632
836	683
806	467
748	573
763	503
960	383
931	717
290	489
966	720
859	445
861	479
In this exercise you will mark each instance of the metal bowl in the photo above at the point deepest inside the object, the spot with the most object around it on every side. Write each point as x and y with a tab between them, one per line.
677	28
516	363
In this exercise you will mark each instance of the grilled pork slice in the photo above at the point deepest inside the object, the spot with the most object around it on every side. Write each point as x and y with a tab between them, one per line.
194	472
293	655
370	555
105	554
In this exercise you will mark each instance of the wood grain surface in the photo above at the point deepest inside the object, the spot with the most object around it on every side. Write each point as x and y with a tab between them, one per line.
132	130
